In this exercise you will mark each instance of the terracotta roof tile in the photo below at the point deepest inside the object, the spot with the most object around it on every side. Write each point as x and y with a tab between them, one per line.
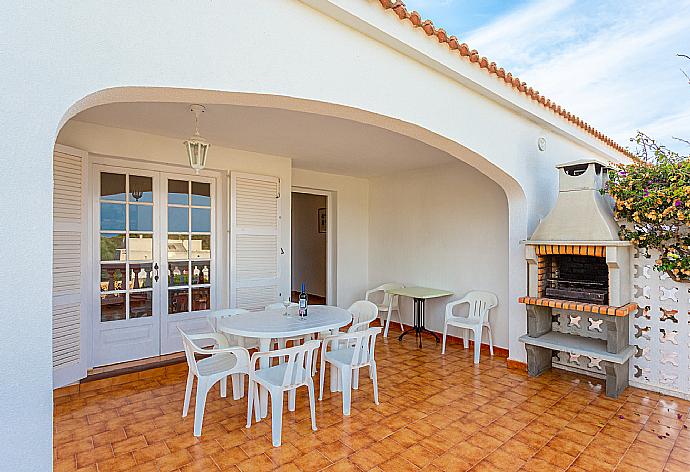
415	18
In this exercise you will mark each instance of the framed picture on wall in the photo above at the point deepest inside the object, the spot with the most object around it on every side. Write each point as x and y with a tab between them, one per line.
323	223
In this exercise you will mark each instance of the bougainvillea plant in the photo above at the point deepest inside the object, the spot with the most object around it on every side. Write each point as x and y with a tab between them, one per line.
652	202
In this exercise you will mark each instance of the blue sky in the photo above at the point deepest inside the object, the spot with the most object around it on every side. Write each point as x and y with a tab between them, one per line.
611	62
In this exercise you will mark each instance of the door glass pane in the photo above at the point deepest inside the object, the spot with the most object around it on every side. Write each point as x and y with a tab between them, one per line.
201	194
112	187
112	277
201	246
177	247
113	306
178	192
113	247
201	298
140	276
201	272
178	301
140	247
140	217
178	219
140	189
112	217
178	274
201	220
140	304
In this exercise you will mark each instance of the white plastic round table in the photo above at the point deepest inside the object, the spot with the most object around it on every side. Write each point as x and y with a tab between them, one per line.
273	324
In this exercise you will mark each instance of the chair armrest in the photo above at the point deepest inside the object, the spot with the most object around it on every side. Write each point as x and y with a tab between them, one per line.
453	304
241	353
369	292
355	327
219	339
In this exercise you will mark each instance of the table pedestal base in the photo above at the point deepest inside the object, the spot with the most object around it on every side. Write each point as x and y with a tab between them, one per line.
418	327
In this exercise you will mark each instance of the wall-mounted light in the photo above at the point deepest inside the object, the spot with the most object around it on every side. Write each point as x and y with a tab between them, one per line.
541	143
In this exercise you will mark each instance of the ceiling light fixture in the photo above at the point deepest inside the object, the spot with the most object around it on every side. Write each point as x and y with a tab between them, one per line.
197	147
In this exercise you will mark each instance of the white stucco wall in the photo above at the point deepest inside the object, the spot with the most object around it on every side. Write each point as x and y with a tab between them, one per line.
351	239
366	65
444	227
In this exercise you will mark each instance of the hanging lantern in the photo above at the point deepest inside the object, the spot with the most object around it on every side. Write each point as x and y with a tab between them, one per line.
197	147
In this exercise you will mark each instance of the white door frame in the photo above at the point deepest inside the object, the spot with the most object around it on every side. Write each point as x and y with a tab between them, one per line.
91	287
331	280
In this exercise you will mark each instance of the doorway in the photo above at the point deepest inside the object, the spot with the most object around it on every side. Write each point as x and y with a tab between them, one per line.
310	245
154	250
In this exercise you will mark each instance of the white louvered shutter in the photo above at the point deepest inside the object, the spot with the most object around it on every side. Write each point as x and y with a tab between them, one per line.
254	240
68	246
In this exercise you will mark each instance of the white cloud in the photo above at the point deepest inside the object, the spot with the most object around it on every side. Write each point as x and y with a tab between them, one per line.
613	63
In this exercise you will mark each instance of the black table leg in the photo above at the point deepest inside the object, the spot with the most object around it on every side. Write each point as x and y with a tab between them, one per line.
418	327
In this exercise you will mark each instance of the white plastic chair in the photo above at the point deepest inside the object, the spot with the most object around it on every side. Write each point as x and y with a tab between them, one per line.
295	372
223	361
215	316
357	352
389	303
363	312
480	303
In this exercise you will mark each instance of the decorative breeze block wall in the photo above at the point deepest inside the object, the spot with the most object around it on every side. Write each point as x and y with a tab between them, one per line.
660	330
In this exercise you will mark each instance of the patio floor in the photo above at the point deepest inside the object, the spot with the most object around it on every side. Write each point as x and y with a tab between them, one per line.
436	413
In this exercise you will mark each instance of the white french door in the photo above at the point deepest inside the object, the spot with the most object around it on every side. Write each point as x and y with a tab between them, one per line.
154	246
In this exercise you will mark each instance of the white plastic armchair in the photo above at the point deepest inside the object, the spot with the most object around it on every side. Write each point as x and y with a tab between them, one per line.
357	353
363	313
223	361
480	303
388	304
217	315
295	372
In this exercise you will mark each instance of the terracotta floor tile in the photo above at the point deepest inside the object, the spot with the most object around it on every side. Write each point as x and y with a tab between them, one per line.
151	452
675	466
312	461
336	451
451	462
92	456
228	458
205	464
504	461
173	461
398	464
258	463
342	465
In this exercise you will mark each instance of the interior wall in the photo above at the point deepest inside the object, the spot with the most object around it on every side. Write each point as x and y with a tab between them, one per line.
136	148
443	227
308	244
350	209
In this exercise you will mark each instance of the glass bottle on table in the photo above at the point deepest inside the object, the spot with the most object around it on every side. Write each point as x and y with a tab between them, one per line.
303	303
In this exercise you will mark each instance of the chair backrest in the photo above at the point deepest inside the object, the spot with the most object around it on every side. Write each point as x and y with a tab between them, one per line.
362	343
363	312
386	297
216	315
189	348
480	303
297	362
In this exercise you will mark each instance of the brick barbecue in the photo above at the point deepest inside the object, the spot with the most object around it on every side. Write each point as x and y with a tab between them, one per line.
579	286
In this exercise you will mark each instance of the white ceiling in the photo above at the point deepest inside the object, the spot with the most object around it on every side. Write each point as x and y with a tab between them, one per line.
314	142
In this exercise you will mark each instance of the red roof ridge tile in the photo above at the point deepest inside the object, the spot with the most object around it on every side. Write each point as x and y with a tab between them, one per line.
417	21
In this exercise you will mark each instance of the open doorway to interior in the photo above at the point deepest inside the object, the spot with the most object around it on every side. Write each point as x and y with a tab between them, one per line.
310	245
